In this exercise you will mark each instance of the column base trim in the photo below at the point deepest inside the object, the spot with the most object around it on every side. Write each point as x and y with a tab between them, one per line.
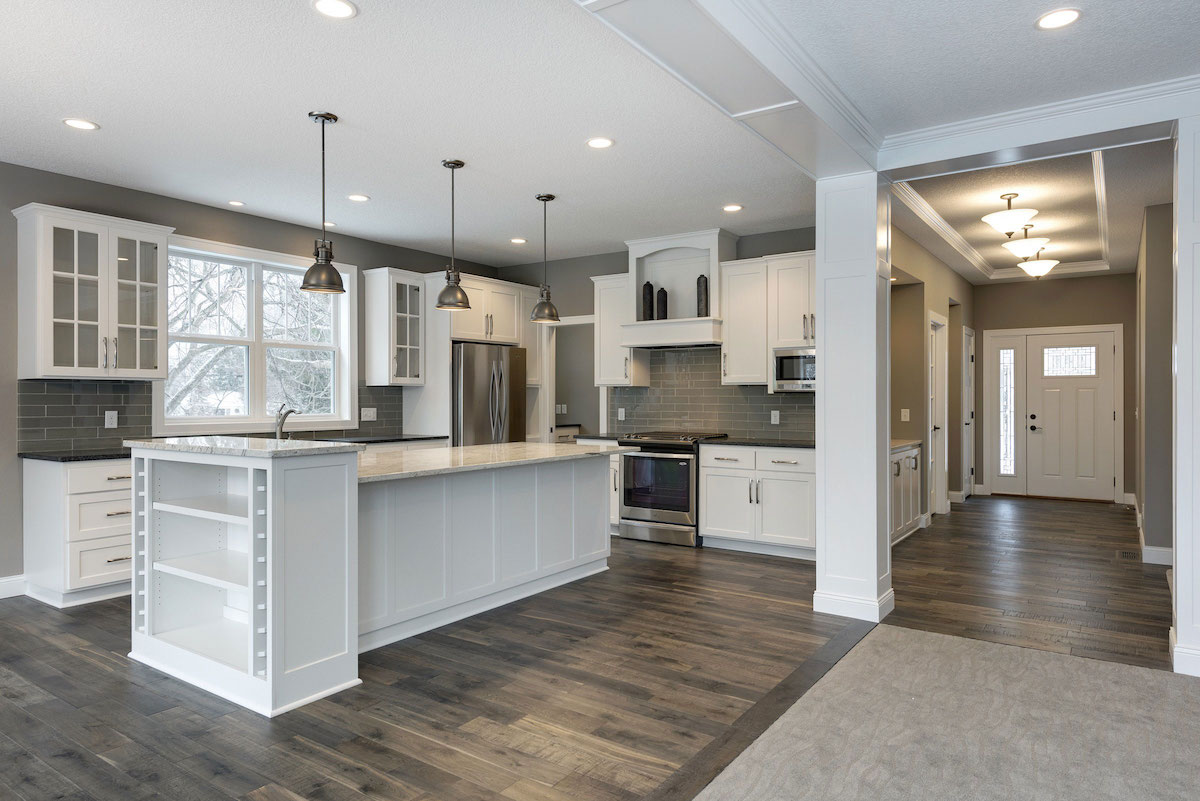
832	603
1184	659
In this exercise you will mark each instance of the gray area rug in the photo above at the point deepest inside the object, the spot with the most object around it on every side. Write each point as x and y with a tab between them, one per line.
914	715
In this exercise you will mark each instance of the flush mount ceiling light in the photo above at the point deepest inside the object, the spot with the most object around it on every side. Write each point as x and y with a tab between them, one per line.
600	142
329	224
1037	267
1059	18
731	207
358	198
335	9
1026	247
322	276
1010	220
544	311
80	124
518	241
236	203
452	297
891	279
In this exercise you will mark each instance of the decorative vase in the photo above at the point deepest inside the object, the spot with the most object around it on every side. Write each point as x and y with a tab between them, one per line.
662	305
647	301
702	296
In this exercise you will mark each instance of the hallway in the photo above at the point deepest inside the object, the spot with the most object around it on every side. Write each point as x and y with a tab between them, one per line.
1061	576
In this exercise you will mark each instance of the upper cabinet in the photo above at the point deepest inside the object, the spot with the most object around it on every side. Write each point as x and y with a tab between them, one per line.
791	293
744	305
395	327
531	336
494	315
92	300
615	364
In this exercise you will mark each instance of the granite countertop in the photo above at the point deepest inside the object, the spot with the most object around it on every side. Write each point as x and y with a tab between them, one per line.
613	437
904	444
375	440
83	455
394	464
261	447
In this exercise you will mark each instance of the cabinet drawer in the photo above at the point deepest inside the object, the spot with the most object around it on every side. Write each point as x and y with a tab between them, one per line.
99	561
99	476
792	460
99	514
727	456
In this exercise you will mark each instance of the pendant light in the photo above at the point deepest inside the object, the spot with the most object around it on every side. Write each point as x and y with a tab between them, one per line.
452	297
1039	266
1010	220
544	311
1024	248
323	276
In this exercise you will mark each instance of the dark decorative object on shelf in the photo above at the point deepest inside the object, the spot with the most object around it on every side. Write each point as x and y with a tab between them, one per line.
662	304
647	301
702	296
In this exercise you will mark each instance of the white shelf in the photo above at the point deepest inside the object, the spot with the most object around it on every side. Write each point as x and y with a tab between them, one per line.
224	641
226	569
674	331
225	508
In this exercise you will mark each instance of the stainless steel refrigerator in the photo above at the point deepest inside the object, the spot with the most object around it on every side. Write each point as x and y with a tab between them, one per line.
488	399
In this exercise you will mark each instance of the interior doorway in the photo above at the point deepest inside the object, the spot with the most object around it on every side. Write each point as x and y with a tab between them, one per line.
937	413
968	413
1053	412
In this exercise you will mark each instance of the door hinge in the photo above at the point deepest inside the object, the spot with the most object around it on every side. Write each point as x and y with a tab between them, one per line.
972	471
1114	481
1114	415
972	358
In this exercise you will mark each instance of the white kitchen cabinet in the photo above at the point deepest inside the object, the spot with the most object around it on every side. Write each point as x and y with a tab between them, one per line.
504	307
91	295
744	305
791	306
77	523
615	365
614	480
494	313
395	327
904	468
531	337
471	324
762	496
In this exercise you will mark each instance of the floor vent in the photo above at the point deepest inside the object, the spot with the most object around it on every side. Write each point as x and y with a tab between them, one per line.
1129	556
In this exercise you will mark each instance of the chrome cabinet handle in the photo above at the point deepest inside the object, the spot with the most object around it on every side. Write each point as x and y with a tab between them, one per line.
724	363
750	490
805	326
758	491
118	478
116	353
813	318
118	559
118	514
784	461
614	480
896	464
726	459
627	367
105	353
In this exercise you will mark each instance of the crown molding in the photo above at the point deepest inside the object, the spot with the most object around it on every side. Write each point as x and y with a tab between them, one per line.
1097	266
919	206
1101	202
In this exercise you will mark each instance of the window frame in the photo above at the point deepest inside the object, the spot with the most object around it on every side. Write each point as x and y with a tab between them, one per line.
258	420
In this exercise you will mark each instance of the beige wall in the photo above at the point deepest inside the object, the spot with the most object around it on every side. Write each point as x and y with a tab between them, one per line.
1095	300
908	360
1154	446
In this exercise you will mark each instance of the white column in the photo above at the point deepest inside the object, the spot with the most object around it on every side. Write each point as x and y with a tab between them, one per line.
1185	634
854	564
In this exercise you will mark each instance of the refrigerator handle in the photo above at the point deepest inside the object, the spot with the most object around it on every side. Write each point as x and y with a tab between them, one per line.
492	400
502	392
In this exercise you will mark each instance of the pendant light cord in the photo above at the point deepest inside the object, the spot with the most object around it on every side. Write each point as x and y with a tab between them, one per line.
452	219
545	246
324	236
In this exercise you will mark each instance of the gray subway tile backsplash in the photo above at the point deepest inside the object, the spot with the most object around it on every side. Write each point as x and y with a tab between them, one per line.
686	394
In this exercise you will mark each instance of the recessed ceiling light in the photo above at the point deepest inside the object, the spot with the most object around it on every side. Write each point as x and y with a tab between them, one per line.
731	207
1059	18
600	142
79	124
236	203
358	198
517	241
337	9
891	279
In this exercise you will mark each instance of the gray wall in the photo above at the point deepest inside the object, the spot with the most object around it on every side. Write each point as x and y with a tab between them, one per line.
574	377
1093	300
908	360
1154	445
21	185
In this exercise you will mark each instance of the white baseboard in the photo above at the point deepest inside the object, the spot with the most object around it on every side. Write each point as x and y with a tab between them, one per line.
1154	554
762	548
831	603
12	586
980	490
1184	660
1130	499
65	600
957	496
926	519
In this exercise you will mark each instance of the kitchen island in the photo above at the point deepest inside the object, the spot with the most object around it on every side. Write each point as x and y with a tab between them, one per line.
262	567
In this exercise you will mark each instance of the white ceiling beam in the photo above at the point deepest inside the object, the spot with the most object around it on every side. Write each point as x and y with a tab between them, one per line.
1101	203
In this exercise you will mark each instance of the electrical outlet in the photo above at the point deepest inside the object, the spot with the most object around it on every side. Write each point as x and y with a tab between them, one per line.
774	417
621	413
110	419
904	416
368	414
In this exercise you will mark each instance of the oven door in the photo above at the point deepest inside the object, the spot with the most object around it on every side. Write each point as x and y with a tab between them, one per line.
659	487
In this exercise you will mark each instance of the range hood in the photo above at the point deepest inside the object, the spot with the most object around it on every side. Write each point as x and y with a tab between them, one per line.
682	332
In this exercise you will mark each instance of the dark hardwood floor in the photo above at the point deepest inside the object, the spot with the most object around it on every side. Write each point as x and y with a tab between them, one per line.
642	681
1062	576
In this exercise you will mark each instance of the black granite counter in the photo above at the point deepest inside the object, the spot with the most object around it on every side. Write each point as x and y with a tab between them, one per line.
763	442
93	455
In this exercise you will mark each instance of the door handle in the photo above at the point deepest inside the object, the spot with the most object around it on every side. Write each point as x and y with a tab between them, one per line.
813	318
116	353
784	461
501	400
118	514
805	326
897	466
627	367
937	428
105	353
724	363
118	559
492	400
118	478
758	491
750	490
1033	428
725	459
614	480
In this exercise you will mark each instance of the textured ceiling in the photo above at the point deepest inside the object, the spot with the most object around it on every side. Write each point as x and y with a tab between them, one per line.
208	101
1063	192
911	64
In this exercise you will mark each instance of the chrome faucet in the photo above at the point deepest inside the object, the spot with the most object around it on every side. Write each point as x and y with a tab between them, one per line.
281	417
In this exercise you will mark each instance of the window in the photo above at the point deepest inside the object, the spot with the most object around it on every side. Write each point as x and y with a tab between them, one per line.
1057	362
242	338
1008	412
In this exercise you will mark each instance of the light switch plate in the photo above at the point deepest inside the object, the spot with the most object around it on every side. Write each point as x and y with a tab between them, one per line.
904	415
110	419
368	414
621	413
774	417
564	408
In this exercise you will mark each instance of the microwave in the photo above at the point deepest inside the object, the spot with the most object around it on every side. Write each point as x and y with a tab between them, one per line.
794	370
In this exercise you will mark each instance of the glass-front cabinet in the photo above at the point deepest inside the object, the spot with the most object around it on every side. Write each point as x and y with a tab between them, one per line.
90	295
395	327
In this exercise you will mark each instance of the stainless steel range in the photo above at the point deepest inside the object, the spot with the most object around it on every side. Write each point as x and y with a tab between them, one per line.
660	485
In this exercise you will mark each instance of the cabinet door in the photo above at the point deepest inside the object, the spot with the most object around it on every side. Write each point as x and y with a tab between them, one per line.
504	306
744	324
614	492
786	508
727	506
138	300
612	360
913	463
408	331
531	338
790	292
471	324
76	259
898	496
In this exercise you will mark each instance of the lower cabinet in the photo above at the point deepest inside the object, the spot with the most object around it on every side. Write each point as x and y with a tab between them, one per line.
758	495
904	473
614	493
